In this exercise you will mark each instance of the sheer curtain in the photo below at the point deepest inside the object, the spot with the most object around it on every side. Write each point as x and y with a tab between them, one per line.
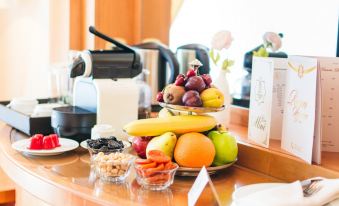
309	26
34	34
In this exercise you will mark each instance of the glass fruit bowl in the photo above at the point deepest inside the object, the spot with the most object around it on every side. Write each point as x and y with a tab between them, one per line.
155	180
191	110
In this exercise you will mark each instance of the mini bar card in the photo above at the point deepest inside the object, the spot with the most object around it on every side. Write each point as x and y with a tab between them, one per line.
267	98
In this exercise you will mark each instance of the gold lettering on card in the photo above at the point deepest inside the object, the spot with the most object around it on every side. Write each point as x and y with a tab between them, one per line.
297	106
260	123
296	147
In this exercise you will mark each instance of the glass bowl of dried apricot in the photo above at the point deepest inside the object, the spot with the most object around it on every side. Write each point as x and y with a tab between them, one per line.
156	172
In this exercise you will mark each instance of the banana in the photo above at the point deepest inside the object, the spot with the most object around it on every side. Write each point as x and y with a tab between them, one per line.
176	124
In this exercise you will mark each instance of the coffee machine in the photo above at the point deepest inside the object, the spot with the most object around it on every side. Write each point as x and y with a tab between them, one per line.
104	85
155	57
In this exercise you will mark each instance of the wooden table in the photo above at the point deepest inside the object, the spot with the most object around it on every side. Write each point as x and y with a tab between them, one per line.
66	180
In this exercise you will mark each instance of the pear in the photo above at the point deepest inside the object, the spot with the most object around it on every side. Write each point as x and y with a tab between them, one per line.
165	143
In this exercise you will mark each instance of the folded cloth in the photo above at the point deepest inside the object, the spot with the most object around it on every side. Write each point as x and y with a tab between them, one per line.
292	194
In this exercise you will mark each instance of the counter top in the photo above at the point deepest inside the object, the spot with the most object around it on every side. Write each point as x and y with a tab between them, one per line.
66	180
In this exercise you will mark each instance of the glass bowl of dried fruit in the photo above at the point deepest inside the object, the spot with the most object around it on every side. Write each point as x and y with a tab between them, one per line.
106	145
155	173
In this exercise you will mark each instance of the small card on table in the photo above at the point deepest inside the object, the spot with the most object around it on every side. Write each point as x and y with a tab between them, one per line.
198	187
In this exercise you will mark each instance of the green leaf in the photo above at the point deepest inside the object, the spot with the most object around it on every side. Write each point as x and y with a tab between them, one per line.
214	59
262	52
226	64
217	58
212	54
230	63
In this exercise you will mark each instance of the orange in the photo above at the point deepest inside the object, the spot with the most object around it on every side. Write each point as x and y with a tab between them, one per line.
194	150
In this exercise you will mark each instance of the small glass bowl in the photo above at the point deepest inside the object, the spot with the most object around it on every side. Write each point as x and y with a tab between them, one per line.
155	180
94	152
111	169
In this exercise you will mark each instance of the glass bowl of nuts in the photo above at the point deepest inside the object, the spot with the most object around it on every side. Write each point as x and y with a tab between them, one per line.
112	167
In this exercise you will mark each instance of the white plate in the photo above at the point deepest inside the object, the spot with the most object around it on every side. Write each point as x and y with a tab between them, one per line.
66	145
83	144
250	189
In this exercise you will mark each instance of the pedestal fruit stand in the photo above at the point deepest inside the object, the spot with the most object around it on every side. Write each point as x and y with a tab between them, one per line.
183	129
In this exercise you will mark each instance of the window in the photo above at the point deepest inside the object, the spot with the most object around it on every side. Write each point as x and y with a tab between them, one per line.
309	26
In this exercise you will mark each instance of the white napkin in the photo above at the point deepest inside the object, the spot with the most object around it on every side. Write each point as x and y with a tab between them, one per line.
292	194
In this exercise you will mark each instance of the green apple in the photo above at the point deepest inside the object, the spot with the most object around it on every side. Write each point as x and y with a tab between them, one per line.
212	97
226	148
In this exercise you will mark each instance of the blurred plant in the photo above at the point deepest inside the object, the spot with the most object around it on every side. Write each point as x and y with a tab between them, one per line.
221	41
272	41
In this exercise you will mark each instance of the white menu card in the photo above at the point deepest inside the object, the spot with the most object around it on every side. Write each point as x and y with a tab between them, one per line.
267	98
329	103
300	107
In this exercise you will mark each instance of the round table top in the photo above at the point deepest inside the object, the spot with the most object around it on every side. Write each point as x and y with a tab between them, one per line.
67	177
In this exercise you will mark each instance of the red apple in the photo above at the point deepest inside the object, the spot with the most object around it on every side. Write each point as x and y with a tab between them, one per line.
139	145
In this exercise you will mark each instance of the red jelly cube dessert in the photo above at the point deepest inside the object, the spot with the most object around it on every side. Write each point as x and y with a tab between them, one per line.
55	139
36	142
48	143
41	139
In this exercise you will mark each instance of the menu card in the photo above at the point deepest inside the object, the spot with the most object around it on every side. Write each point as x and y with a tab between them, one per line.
267	98
309	107
330	103
311	115
300	106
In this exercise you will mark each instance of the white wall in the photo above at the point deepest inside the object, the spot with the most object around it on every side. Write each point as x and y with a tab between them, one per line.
309	26
34	34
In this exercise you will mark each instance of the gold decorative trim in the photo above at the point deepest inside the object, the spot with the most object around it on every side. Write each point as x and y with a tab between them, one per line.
300	69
